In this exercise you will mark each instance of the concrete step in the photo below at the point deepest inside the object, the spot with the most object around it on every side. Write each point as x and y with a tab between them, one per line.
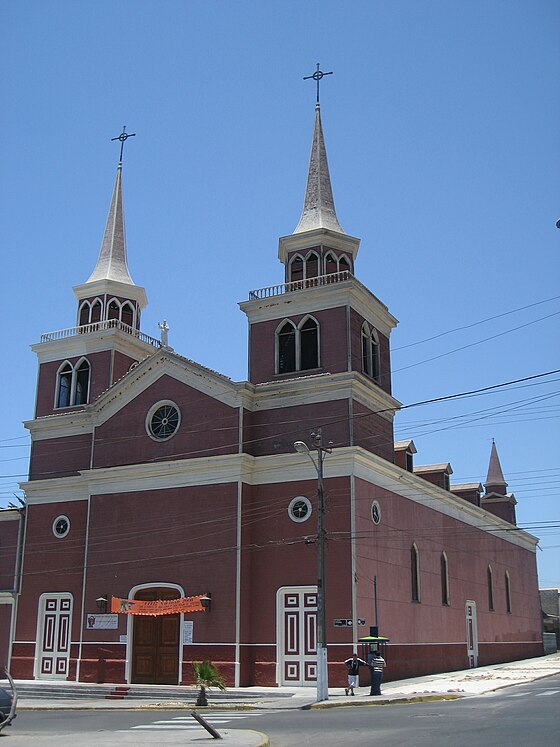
50	690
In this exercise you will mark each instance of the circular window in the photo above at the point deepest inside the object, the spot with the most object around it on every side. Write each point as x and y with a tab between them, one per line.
61	526
163	420
375	512
299	508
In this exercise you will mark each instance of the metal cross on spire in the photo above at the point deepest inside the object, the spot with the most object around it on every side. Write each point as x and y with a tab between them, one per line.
123	137
317	75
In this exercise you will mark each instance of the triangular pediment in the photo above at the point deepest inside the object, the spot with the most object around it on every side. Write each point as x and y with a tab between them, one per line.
141	376
166	363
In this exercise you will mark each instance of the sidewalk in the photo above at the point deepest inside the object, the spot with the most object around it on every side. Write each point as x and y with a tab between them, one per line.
460	684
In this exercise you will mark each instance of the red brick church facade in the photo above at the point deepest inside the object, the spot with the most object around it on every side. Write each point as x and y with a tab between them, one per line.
153	477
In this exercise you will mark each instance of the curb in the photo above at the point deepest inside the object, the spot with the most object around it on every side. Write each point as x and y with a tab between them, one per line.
383	702
265	741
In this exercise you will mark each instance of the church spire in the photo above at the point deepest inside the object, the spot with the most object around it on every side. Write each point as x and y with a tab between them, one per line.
111	264
318	206
495	482
110	277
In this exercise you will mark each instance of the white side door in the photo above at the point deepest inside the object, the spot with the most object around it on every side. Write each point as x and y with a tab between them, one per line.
297	636
472	634
54	623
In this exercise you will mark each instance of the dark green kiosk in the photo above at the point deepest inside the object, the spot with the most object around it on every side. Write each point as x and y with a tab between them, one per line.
370	643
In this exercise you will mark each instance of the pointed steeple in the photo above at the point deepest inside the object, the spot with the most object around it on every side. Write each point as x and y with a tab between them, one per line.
110	277
495	482
111	264
318	206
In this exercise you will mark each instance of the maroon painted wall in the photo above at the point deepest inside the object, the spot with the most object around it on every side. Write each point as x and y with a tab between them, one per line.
9	529
274	431
372	432
121	365
194	547
207	428
59	457
51	565
356	323
383	551
99	381
333	358
277	554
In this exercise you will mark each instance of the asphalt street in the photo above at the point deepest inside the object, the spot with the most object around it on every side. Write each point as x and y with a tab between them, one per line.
519	716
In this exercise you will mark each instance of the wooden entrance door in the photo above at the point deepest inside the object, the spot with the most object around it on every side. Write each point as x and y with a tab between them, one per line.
155	643
298	636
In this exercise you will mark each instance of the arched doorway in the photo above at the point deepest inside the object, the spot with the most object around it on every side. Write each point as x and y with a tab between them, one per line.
155	642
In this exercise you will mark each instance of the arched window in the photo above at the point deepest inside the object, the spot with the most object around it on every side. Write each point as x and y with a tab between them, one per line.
72	384
96	311
309	344
296	269
444	569
490	582
375	366
286	338
343	265
113	312
415	573
366	363
312	265
82	383
370	353
297	348
127	314
83	317
64	386
508	593
331	265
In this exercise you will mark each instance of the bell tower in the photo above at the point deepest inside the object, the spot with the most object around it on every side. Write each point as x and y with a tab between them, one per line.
322	320
76	364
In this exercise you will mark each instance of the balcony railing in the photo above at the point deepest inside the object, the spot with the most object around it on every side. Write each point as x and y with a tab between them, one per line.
295	285
86	329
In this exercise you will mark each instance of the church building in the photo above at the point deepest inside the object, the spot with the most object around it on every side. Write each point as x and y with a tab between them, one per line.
170	519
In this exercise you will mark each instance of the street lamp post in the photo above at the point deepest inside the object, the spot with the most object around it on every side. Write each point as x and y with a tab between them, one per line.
322	666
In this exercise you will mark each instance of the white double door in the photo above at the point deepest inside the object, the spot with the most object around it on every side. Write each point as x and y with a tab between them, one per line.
297	636
54	624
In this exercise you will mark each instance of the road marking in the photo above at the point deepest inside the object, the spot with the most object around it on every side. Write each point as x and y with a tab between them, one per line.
186	723
548	692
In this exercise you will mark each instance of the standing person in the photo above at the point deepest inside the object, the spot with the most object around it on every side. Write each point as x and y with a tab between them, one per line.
376	664
353	664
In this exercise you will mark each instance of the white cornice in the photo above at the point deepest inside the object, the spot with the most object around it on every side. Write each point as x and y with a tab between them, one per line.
61	425
92	342
254	398
274	469
56	490
318	236
324	388
9	514
310	300
380	472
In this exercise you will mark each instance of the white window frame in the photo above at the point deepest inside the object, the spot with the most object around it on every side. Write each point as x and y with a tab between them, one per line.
74	368
297	330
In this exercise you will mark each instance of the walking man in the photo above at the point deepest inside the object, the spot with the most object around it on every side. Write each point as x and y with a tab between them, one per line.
353	664
376	665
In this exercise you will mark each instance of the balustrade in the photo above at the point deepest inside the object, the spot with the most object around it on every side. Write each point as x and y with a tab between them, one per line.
303	284
107	324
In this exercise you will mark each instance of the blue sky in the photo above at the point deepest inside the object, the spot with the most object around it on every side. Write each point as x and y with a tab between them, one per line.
442	124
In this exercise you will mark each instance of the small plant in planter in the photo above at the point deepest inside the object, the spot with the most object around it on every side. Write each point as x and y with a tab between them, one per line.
206	675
